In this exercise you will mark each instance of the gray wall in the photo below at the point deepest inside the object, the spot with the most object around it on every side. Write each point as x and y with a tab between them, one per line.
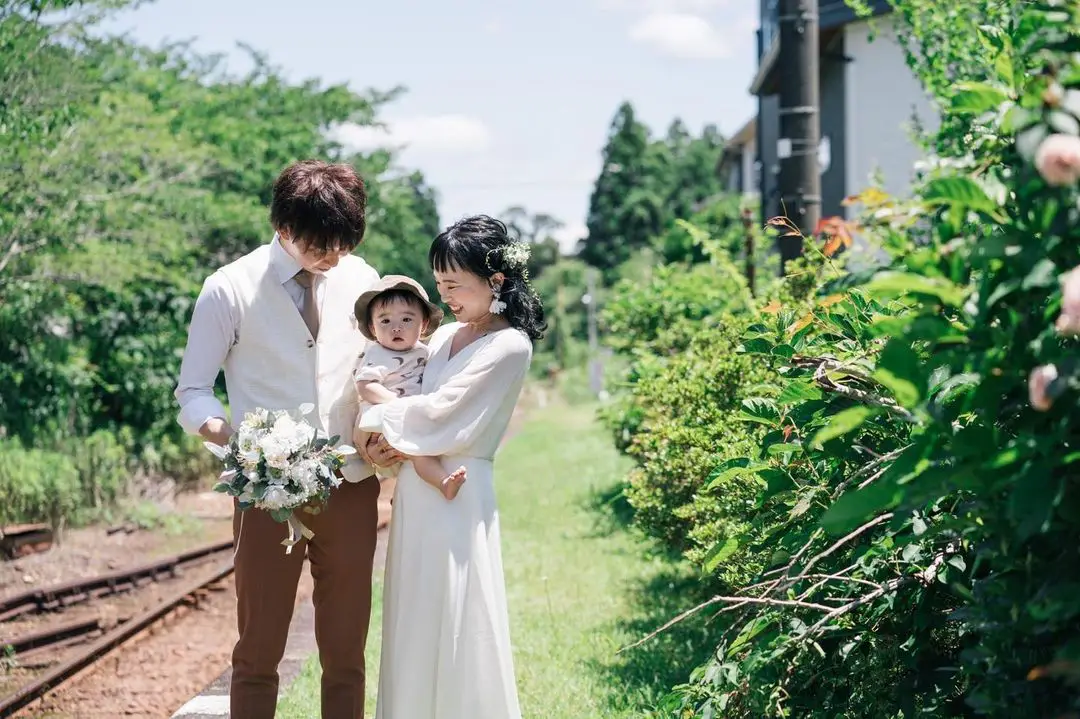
833	181
768	132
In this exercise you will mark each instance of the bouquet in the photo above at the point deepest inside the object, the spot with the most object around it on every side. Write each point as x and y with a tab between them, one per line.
277	461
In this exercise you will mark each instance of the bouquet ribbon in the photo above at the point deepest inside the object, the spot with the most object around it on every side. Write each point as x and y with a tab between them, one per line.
296	531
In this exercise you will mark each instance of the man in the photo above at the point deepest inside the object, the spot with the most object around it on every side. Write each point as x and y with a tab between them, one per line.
279	320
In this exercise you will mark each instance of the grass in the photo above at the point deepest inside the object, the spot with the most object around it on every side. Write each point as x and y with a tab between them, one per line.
580	584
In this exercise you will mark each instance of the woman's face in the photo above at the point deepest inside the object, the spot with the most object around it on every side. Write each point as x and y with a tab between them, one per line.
468	296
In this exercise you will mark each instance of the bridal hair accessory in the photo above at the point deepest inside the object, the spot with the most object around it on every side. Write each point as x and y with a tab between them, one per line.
515	256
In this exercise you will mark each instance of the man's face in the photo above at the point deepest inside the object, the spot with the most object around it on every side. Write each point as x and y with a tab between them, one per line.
311	258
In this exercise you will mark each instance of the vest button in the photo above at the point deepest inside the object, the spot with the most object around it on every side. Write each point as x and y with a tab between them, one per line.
310	343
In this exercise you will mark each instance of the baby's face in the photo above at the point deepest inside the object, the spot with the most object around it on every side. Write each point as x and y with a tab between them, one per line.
397	325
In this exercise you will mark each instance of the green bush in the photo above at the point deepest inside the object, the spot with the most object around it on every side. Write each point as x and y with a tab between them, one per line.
661	314
185	461
36	486
103	463
919	516
681	421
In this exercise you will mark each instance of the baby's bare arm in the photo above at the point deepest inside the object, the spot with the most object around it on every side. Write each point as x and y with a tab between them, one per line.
374	393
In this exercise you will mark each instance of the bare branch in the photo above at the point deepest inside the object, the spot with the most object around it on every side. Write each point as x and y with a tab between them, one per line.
868	468
737	602
844	540
822	379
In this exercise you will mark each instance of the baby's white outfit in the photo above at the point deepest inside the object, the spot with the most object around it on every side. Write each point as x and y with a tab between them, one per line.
400	372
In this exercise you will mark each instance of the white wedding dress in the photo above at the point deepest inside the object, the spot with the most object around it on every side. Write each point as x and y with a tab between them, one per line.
446	650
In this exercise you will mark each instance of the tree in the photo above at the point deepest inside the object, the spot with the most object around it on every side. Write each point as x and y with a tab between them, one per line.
539	231
622	207
644	186
129	172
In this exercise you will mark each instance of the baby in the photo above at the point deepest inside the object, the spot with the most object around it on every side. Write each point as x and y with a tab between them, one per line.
395	315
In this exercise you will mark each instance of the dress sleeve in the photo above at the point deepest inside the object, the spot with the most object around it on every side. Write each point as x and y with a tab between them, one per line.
451	418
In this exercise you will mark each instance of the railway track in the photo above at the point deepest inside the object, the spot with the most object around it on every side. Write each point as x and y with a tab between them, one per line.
59	596
104	636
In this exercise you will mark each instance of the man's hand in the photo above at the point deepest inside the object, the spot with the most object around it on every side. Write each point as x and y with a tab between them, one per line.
380	453
216	430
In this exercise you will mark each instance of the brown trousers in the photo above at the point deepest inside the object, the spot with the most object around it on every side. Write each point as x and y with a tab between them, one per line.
341	554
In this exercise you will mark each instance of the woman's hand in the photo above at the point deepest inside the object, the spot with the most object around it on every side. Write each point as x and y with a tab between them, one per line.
380	453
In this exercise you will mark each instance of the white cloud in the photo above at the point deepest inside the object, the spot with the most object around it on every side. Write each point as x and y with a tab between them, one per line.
569	234
681	35
433	133
493	27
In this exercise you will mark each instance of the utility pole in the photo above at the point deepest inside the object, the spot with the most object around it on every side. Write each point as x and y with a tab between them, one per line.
596	364
800	124
748	231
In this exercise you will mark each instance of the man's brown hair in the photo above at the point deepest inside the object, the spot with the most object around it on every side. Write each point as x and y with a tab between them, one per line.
320	205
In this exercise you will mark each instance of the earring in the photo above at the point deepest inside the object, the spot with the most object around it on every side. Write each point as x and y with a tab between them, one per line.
497	305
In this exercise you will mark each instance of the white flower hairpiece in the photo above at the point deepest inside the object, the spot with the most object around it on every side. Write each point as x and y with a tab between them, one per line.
515	256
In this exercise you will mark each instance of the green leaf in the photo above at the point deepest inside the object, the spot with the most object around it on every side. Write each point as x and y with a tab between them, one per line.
957	562
776	482
729	469
1043	274
896	284
802	506
756	345
902	372
1003	66
841	423
800	390
760	410
854	508
280	515
962	192
1033	500
754	627
720	552
785	350
976	97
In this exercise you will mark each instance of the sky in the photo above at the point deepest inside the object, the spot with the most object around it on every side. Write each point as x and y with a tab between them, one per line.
506	103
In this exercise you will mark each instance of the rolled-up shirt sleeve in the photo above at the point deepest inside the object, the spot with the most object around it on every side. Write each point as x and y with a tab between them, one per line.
212	332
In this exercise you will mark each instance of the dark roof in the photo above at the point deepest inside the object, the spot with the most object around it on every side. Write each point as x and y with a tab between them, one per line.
832	14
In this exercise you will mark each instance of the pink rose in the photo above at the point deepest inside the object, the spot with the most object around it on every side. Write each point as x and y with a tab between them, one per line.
1068	322
1039	383
1058	159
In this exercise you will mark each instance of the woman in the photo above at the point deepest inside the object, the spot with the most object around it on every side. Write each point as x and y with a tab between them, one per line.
446	638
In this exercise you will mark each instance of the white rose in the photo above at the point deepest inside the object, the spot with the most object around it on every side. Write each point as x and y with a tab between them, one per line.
1058	159
275	451
276	498
1068	322
1038	384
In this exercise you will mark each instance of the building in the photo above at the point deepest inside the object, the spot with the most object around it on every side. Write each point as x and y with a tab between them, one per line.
738	163
869	99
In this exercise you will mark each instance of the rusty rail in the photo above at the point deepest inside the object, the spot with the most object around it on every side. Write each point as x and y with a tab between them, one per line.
57	676
26	643
83	590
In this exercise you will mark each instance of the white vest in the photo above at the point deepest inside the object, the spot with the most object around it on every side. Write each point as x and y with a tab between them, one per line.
275	364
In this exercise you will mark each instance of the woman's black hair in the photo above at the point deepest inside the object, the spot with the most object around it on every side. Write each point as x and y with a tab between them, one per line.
478	245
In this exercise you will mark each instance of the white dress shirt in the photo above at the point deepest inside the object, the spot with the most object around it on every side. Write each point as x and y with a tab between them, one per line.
214	329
